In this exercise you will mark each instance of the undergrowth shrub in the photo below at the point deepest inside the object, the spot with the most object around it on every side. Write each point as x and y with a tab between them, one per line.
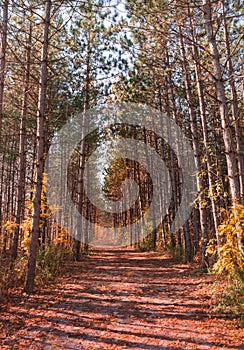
228	298
228	254
230	248
51	261
12	273
146	245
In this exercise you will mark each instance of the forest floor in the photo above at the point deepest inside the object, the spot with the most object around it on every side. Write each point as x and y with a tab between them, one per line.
120	299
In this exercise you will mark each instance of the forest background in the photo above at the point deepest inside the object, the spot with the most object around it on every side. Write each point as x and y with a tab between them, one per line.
59	58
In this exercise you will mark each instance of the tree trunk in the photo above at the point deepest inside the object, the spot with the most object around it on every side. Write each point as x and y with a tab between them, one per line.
202	108
3	58
222	102
2	78
234	109
178	179
22	144
197	155
30	276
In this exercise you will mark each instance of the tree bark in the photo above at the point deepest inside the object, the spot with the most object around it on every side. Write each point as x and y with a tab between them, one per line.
22	145
222	102
202	107
30	276
5	6
197	155
2	79
234	108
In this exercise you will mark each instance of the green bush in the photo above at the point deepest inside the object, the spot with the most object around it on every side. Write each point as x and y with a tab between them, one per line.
228	298
50	261
146	245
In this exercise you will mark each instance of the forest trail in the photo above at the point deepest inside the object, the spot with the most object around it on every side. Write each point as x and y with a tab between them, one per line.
120	299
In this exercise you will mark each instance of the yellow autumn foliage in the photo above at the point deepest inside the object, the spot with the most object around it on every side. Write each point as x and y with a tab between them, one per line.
62	237
27	222
230	250
10	226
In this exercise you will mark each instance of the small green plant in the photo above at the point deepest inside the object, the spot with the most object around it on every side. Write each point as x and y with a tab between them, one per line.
146	245
178	253
228	298
50	261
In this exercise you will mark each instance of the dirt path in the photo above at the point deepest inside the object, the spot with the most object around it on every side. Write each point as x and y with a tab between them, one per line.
120	300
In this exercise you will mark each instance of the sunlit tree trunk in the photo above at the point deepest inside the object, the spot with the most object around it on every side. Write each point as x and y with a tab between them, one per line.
234	108
202	108
195	145
222	103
